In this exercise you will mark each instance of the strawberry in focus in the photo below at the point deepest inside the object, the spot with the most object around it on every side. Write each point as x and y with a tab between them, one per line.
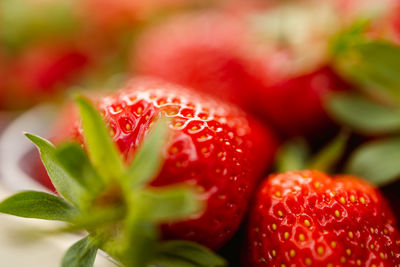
307	218
214	146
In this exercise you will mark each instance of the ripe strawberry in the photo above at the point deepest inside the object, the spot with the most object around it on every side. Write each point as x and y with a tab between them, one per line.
301	98
214	146
306	218
235	58
40	70
205	59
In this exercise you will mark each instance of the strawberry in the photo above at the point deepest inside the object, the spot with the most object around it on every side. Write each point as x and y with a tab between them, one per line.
113	201
242	59
304	94
40	70
204	59
214	146
307	218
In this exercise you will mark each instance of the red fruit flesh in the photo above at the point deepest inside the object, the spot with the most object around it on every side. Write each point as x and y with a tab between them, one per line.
213	145
307	218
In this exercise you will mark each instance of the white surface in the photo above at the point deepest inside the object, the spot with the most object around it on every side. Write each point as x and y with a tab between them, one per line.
23	244
21	240
14	145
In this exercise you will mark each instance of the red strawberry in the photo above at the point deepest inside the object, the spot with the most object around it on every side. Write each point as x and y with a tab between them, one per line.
40	70
205	58
214	146
295	106
307	218
232	58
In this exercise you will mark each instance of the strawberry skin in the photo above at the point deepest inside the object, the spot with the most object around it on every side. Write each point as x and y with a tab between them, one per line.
306	218
39	70
223	57
205	59
303	97
213	145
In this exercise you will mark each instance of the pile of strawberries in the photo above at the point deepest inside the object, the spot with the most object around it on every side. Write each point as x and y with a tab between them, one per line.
304	89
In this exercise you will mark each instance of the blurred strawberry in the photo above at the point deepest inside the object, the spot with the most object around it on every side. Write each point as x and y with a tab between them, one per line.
41	70
258	60
42	49
199	51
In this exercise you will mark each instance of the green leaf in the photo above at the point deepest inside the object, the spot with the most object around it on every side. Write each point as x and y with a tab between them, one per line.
350	36
362	115
98	218
66	185
148	158
377	161
39	205
141	239
293	155
162	260
374	66
326	159
169	203
102	151
74	160
146	209
189	252
81	254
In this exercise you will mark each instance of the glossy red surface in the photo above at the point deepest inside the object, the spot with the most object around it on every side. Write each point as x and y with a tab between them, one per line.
308	218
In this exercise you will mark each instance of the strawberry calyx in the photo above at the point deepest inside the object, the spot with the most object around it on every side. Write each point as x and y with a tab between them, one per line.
113	201
370	63
296	154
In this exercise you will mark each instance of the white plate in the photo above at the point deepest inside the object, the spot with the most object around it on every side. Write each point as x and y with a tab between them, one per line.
19	246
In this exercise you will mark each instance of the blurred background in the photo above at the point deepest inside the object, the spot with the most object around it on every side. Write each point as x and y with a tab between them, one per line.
325	75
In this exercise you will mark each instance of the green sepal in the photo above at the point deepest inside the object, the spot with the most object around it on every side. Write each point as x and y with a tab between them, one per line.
293	155
65	184
349	37
148	158
376	161
98	218
165	260
372	65
39	205
73	158
185	253
140	240
81	254
329	155
169	203
147	208
363	115
102	151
